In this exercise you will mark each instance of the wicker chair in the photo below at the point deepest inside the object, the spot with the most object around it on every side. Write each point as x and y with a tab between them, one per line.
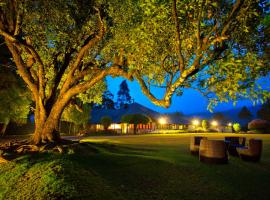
234	142
195	144
213	151
252	152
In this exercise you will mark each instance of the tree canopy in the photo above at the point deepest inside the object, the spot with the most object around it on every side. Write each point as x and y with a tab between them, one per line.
135	119
15	100
264	111
123	96
245	113
107	100
65	49
106	121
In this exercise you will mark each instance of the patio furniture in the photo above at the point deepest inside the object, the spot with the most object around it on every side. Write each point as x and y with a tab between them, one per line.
213	151
195	145
252	152
234	142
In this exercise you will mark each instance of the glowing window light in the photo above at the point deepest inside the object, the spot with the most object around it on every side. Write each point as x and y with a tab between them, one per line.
214	123
115	126
195	122
162	120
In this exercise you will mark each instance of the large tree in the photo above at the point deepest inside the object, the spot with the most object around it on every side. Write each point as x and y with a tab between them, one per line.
107	100
64	48
135	119
15	100
264	111
123	96
244	113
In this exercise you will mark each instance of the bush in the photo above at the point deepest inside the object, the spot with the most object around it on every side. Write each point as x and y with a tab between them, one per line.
205	124
200	130
106	122
256	132
259	125
237	127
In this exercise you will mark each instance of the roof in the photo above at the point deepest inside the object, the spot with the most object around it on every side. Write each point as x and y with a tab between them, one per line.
134	108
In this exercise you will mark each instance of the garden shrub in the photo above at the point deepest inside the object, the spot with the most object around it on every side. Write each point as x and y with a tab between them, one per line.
106	121
237	127
259	125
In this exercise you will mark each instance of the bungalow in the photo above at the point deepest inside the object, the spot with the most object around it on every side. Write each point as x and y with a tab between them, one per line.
158	120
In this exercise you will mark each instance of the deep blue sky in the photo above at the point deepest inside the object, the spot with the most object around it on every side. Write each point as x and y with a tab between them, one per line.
191	101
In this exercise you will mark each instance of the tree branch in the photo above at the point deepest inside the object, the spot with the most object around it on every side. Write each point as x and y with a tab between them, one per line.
181	63
21	68
84	50
236	7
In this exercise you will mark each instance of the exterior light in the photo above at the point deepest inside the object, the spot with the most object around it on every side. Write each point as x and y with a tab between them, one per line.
230	124
214	123
162	120
195	122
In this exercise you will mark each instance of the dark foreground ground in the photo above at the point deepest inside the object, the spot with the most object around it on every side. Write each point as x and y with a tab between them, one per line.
134	167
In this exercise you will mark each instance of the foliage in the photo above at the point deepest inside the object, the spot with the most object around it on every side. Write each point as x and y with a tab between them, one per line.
220	117
107	100
135	119
237	127
123	96
15	100
79	115
205	124
219	48
244	113
259	124
106	121
264	112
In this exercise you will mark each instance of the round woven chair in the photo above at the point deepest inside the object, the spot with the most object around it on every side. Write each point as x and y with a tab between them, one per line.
213	151
195	144
252	152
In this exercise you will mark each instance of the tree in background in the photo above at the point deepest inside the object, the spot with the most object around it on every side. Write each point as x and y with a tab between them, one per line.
15	99
107	100
237	127
106	121
135	119
264	112
123	96
220	118
205	124
245	113
217	47
78	114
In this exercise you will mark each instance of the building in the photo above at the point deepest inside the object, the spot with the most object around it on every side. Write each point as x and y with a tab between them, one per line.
158	120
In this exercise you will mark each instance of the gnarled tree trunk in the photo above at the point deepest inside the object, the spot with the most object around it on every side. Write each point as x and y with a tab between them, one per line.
47	120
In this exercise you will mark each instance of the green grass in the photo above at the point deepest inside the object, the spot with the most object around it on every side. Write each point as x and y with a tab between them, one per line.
134	168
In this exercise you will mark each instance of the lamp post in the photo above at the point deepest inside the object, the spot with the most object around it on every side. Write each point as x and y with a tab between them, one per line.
162	121
214	123
230	126
195	123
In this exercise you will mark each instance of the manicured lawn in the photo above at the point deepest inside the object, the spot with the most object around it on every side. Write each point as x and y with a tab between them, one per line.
135	167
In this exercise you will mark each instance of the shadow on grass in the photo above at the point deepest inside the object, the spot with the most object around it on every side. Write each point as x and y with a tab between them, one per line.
110	171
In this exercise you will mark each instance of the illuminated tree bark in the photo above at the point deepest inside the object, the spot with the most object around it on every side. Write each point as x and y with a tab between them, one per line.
194	51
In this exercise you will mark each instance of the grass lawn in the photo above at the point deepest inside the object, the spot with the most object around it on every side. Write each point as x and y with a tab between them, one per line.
135	167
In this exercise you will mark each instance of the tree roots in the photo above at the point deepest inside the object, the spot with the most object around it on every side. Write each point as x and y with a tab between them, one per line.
14	149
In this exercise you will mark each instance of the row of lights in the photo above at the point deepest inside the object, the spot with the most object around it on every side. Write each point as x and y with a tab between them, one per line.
196	122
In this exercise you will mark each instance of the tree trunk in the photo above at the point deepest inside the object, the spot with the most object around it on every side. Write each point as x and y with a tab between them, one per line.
3	127
135	129
47	121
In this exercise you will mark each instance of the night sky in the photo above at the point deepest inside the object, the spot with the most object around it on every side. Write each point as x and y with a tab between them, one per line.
191	101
